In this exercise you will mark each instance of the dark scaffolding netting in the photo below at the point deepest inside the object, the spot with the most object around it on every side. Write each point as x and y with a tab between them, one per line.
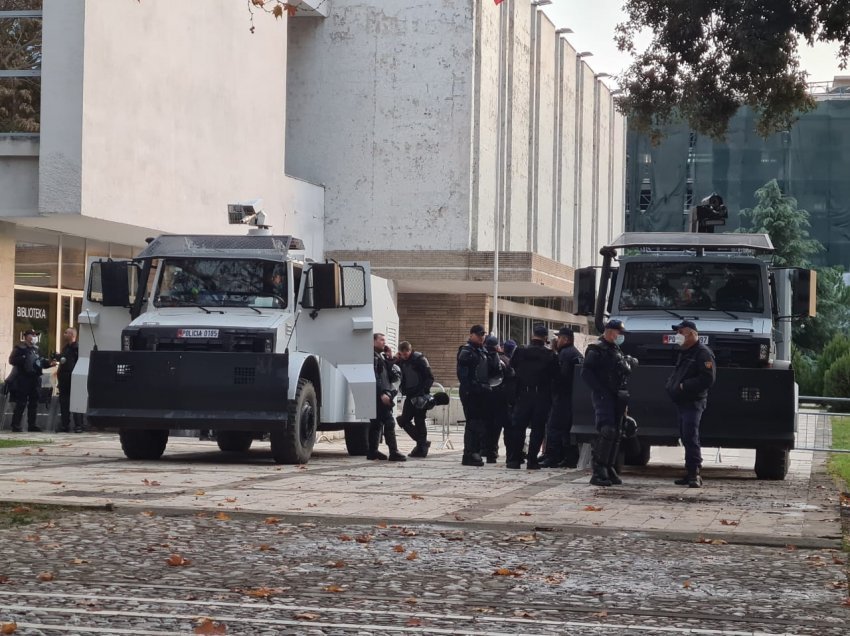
811	162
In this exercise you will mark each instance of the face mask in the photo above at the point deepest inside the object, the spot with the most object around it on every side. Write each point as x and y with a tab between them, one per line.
619	340
679	339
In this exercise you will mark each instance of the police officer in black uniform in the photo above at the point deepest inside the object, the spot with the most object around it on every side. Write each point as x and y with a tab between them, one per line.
500	404
559	451
688	387
536	367
416	381
67	361
386	392
606	371
474	369
28	366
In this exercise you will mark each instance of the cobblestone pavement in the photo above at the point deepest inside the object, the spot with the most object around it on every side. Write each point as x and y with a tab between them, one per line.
109	573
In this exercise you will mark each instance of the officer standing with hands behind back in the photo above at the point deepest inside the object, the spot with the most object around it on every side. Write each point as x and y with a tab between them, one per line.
606	371
474	369
688	387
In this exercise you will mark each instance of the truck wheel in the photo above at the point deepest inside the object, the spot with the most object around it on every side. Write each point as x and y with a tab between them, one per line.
772	462
357	439
143	444
292	443
640	458
234	441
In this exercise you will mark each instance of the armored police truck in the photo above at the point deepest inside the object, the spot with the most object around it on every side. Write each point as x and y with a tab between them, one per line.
742	308
238	335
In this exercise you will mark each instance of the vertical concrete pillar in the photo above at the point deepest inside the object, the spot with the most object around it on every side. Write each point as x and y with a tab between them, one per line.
7	293
437	324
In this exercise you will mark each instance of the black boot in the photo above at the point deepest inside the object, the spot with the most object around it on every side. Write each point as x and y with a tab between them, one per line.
392	445
472	443
613	477
692	479
374	440
418	451
600	475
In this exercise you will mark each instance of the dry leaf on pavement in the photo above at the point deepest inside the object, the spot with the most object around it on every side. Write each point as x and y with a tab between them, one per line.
412	556
593	508
175	560
335	564
148	482
270	521
223	516
728	522
8	628
414	622
306	616
45	576
417	497
209	626
363	538
686	585
602	614
230	499
506	572
526	538
333	587
344	537
411	600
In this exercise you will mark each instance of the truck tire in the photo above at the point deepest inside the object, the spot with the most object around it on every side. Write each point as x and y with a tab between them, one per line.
234	441
143	444
292	443
641	458
357	439
772	462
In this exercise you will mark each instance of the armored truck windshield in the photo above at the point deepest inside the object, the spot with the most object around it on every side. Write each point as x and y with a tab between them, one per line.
692	284
213	282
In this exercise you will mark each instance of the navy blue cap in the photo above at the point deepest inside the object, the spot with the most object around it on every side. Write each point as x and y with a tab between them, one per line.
616	324
509	347
566	331
689	324
540	331
491	341
478	330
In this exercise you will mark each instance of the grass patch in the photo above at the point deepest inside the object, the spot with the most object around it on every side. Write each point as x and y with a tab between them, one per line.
17	514
839	463
13	443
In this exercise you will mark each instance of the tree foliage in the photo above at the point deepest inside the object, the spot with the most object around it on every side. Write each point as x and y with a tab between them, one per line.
836	381
20	50
707	58
777	214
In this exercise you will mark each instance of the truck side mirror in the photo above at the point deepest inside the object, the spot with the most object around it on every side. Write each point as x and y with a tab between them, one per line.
585	291
109	283
804	292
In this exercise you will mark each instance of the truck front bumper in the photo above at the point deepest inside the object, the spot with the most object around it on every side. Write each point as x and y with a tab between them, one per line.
179	390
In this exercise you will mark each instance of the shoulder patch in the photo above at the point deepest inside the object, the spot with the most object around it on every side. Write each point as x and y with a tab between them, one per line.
708	364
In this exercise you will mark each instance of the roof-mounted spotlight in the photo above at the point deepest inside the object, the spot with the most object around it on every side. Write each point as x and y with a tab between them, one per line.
248	213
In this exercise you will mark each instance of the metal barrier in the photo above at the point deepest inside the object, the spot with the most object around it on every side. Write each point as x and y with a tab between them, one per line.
815	426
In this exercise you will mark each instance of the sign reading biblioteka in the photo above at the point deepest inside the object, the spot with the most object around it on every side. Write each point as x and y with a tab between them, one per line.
37	313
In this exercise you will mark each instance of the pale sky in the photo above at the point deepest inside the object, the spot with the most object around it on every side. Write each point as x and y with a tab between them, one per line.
594	22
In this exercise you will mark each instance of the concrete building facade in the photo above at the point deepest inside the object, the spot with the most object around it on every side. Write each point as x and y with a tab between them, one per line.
456	140
153	116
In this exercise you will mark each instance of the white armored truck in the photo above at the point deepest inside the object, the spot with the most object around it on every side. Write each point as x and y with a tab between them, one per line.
743	309
238	335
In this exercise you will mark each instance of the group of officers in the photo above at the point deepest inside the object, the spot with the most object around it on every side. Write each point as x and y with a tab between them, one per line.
507	389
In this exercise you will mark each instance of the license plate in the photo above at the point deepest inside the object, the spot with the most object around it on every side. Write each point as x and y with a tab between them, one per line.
671	339
197	333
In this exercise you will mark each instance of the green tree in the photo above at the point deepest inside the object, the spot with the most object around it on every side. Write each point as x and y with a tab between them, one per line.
777	214
805	372
20	50
836	381
708	58
833	312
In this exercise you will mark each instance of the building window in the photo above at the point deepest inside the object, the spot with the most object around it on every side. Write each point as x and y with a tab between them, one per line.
20	71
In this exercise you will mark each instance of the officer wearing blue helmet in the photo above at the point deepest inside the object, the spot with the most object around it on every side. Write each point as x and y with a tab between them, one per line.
606	371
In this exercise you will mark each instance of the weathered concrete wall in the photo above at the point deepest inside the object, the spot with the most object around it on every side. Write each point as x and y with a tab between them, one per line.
602	226
585	201
543	213
379	111
18	176
618	183
518	222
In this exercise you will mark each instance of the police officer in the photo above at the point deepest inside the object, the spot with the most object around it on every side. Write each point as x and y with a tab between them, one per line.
559	451
416	381
688	387
67	361
386	392
500	404
28	366
474	368
536	367
606	371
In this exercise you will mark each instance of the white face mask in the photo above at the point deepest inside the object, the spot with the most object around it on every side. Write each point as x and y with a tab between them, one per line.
679	339
619	340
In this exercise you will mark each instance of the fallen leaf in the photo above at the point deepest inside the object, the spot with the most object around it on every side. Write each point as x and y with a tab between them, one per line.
270	521
307	525
3	579
526	538
414	622
265	547
21	481
791	547
200	493
382	525
398	548
175	560
523	614
602	614
727	522
77	561
846	601
506	572
554	579
686	585
593	508
482	610
8	628
230	499
525	514
301	467
411	600
306	616
148	513
459	518
363	538
719	542
209	626
19	510
452	535
261	592
148	482
223	516
344	537
407	532
333	587
56	483
417	497
335	564
46	576
32	537
412	556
